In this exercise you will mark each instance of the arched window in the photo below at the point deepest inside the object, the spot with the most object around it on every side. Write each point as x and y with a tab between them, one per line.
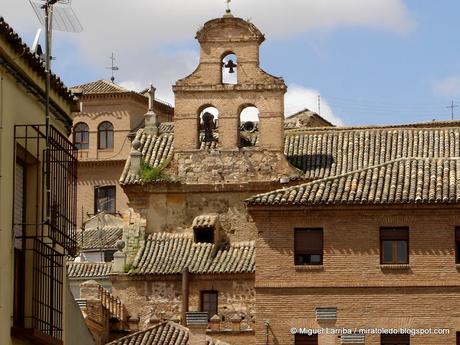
249	125
229	69
81	136
208	124
105	136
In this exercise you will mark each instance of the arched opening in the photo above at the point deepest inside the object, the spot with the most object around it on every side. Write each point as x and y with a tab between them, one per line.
208	127
81	136
249	125
230	69
105	136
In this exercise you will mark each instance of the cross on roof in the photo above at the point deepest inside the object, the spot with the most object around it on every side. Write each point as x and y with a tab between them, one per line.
151	93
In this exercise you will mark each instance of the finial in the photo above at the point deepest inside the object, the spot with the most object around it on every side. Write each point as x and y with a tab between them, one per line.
228	6
151	93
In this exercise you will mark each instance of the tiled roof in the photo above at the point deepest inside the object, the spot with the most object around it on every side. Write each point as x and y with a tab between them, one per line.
102	231
103	238
404	180
165	253
32	59
100	86
167	333
88	269
331	151
205	221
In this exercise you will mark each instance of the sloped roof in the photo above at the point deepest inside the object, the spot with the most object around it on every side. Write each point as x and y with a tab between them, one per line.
205	221
33	60
400	181
166	333
330	151
102	231
164	253
99	87
88	269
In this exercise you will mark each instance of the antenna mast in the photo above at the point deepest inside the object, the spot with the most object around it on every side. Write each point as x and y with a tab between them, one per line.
113	68
452	106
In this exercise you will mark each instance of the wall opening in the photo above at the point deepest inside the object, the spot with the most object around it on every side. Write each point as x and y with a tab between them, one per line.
208	127
249	125
229	69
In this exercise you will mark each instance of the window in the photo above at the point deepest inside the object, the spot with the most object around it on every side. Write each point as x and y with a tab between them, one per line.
209	301
395	339
104	199
303	339
458	338
308	245
81	136
457	245
105	136
204	235
394	245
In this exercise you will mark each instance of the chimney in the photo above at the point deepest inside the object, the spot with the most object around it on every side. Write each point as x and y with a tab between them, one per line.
197	323
150	118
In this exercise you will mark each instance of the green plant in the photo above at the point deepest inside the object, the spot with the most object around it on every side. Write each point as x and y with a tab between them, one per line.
128	267
148	173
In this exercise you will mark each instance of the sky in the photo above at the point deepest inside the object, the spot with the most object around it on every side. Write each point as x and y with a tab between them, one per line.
369	61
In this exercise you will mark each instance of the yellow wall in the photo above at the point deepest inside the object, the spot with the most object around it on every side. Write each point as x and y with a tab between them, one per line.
17	107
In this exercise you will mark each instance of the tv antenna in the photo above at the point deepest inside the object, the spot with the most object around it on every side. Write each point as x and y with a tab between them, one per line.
64	19
452	106
113	68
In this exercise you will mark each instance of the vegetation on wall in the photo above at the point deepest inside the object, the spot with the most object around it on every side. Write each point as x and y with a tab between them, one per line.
148	173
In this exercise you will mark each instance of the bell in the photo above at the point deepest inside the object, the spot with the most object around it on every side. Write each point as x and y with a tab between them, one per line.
230	65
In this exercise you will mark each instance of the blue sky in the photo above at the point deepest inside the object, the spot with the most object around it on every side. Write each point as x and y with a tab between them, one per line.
372	61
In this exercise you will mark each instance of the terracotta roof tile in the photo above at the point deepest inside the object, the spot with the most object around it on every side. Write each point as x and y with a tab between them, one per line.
88	269
167	333
100	86
205	221
404	180
330	151
165	253
105	237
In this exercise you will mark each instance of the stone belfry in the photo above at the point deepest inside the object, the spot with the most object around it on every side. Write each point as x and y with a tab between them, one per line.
252	86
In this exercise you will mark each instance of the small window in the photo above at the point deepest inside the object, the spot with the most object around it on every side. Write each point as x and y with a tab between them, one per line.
458	338
104	199
457	244
105	136
204	235
395	339
394	245
81	136
108	255
209	302
308	246
304	339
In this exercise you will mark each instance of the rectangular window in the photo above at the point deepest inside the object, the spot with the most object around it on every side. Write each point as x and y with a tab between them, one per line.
104	199
457	244
108	255
394	245
308	246
209	302
395	339
458	338
303	339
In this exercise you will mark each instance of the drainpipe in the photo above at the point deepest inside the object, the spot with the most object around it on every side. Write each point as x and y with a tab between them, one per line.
185	294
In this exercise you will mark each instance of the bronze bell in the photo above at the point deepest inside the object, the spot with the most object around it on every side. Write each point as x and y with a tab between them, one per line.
230	65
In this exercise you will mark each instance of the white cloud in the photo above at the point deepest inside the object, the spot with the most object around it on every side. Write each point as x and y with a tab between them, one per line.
148	36
449	86
298	98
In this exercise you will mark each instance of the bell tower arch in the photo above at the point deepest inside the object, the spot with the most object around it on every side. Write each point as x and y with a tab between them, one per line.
229	77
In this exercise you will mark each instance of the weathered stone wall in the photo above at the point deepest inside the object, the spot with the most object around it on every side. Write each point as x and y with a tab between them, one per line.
163	297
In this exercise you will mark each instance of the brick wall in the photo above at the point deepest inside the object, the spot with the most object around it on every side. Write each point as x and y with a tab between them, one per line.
425	294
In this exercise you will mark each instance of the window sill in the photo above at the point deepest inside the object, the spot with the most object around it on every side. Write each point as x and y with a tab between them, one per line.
309	267
395	266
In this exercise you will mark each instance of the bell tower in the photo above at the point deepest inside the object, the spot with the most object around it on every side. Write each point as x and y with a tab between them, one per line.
229	79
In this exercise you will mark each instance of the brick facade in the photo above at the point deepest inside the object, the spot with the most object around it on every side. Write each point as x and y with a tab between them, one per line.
423	294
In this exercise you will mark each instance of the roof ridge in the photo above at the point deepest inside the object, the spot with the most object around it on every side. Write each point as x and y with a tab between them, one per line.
348	173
